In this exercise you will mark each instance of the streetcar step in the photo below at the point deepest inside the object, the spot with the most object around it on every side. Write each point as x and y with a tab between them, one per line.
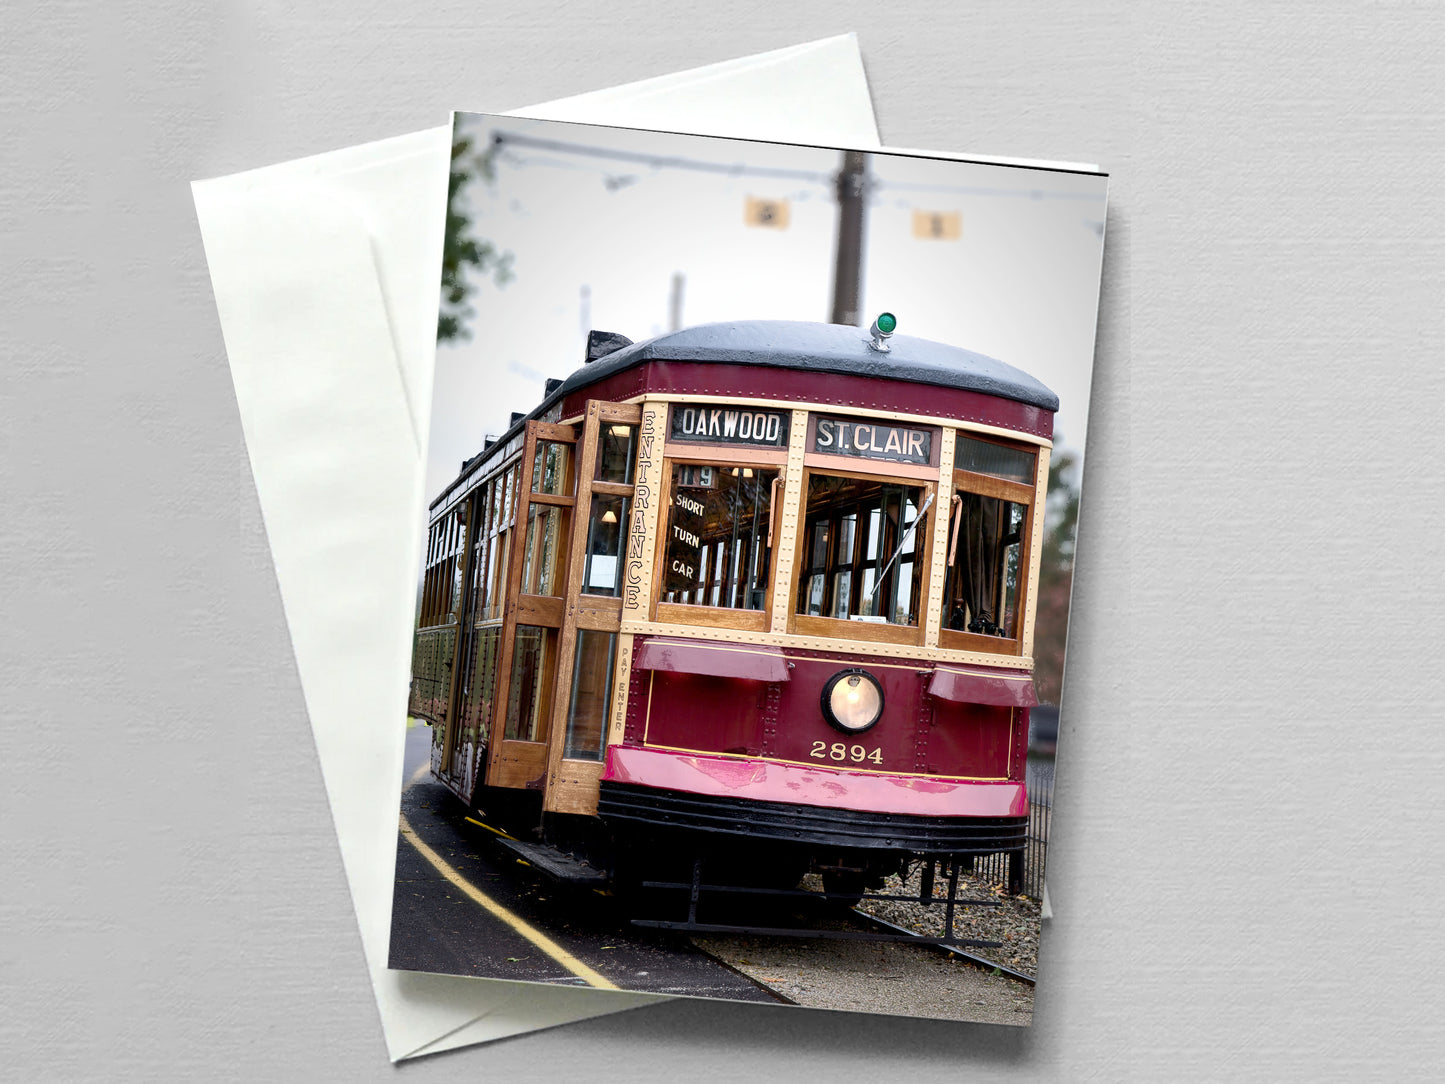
556	864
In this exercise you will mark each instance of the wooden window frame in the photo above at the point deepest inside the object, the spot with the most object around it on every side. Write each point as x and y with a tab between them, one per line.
841	628
513	762
724	457
460	519
572	786
1021	493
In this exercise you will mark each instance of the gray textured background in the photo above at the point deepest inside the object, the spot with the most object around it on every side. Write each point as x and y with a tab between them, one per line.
1245	861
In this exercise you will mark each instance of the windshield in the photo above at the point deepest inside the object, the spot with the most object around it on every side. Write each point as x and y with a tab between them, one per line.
862	550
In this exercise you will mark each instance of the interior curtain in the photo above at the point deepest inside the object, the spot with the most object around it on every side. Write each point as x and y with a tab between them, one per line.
980	542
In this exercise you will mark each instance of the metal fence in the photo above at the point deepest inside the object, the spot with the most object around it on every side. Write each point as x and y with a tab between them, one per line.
1004	869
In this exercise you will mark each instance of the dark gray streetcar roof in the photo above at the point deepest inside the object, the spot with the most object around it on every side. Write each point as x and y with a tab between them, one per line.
825	348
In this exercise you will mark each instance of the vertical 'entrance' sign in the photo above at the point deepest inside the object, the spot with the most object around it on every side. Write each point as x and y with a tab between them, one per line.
637	579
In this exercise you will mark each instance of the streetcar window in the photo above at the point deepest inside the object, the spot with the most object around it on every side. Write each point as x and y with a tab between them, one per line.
616	453
602	570
481	541
541	559
591	693
526	720
550	473
457	570
507	494
442	582
864	548
998	460
479	682
985	576
429	576
433	572
718	551
499	550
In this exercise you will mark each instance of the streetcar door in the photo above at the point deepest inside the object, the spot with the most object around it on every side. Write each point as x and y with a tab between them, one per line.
589	642
536	588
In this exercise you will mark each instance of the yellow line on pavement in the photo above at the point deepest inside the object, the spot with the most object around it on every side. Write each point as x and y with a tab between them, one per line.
521	925
488	827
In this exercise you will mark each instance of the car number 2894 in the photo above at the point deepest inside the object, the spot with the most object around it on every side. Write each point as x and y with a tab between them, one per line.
838	751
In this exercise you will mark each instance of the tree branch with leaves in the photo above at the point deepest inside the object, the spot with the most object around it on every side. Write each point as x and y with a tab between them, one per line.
1056	577
464	255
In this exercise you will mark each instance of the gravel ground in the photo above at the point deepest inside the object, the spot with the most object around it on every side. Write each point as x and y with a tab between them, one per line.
1015	922
875	976
903	979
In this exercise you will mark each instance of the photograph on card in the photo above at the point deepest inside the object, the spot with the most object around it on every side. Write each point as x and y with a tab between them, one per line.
752	480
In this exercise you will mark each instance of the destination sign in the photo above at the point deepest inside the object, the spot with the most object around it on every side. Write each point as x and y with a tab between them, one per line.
684	542
873	440
731	425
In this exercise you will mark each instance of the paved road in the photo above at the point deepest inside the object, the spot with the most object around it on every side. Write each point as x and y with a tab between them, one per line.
438	924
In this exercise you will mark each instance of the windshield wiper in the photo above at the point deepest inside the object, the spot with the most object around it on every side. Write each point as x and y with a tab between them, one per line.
902	541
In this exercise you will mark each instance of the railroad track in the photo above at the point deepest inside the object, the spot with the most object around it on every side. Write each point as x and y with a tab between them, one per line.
953	950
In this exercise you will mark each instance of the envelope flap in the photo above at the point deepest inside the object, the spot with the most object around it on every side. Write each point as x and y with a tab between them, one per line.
336	473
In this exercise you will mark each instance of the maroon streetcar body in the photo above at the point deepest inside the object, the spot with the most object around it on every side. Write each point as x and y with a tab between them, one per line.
724	381
764	709
761	591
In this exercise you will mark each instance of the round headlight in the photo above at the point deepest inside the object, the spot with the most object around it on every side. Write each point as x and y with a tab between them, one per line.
852	701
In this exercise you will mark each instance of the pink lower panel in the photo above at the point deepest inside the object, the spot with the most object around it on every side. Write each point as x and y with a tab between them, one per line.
767	781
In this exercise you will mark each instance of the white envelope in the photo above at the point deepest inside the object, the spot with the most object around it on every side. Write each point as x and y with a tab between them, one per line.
325	272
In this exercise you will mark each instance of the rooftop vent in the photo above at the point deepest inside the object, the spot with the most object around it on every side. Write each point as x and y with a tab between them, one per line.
517	415
602	343
553	383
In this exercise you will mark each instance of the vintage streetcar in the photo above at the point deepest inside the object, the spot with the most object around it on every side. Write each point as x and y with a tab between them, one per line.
756	593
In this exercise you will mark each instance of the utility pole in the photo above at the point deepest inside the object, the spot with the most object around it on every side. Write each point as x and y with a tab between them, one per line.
852	209
674	304
584	312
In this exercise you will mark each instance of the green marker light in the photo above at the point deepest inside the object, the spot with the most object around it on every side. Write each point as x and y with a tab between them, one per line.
881	329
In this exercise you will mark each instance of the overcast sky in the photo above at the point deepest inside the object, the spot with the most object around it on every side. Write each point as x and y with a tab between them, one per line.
1019	284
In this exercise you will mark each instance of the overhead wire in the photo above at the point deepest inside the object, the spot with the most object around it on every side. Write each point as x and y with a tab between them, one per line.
657	162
